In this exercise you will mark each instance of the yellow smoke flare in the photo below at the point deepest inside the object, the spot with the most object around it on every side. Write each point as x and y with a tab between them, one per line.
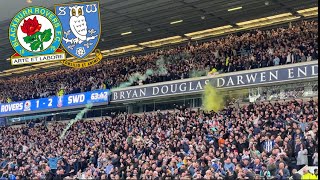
213	99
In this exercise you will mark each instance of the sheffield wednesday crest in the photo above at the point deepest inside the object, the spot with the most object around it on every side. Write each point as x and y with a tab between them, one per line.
81	32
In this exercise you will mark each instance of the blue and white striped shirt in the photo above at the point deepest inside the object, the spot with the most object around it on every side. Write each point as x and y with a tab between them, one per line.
268	145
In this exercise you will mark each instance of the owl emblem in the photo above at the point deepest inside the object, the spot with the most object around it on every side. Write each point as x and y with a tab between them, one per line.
78	24
81	27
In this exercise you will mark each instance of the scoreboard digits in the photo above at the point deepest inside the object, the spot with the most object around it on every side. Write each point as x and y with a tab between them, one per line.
50	102
98	96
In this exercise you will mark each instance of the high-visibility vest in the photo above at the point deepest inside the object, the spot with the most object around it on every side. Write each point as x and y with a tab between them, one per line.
9	100
213	71
309	176
227	61
61	92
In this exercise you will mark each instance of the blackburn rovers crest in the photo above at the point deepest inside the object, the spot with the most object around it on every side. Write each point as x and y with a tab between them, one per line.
35	34
81	32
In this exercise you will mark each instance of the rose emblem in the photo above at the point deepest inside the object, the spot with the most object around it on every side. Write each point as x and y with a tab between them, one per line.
31	26
80	51
34	37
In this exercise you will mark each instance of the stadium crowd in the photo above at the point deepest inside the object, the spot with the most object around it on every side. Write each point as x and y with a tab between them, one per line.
236	52
264	140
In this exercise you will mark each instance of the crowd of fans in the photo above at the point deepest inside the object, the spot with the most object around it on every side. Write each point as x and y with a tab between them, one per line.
236	52
270	140
287	91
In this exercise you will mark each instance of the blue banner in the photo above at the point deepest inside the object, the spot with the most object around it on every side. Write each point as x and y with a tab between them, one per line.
56	102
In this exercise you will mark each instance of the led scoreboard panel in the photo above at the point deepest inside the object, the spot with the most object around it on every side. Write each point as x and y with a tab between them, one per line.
56	102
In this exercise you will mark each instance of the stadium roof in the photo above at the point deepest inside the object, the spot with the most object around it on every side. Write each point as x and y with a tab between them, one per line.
133	22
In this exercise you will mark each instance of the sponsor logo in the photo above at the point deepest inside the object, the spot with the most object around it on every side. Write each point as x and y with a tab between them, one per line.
81	32
35	33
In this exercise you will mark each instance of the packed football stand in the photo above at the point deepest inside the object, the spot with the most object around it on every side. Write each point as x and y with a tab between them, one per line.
236	52
260	140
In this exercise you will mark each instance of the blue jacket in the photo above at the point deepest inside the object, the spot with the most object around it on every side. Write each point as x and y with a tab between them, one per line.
229	166
286	174
257	168
108	169
3	164
12	177
53	162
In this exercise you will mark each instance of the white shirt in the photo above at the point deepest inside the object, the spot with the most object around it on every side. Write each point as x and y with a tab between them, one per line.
271	51
216	54
309	58
315	159
302	158
289	58
24	148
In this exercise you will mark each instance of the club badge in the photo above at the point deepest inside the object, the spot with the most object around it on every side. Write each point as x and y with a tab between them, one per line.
35	34
81	32
60	101
27	106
